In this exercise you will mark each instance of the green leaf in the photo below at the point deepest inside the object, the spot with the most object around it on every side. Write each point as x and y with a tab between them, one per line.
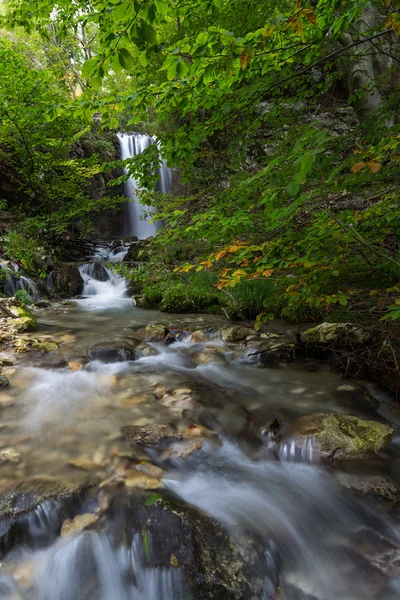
148	33
293	188
89	68
152	499
113	123
125	59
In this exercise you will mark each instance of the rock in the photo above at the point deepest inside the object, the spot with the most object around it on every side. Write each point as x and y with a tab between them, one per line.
183	450
43	303
78	524
156	332
85	465
157	436
205	358
133	254
6	400
4	381
68	280
198	337
369	485
39	346
111	352
339	333
141	481
20	324
146	350
24	316
348	437
236	333
10	455
53	360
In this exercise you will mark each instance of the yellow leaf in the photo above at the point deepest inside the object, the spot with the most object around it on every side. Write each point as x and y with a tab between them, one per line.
268	272
358	167
224	272
309	14
331	223
296	26
220	254
199	268
239	273
268	29
176	269
393	21
207	263
174	561
187	268
244	60
374	167
234	248
244	263
222	283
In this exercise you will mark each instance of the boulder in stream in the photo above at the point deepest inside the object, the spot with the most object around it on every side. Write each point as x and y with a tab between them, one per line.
154	435
345	334
342	437
157	332
111	352
236	333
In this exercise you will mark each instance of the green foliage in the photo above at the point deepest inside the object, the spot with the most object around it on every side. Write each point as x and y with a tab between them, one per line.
23	298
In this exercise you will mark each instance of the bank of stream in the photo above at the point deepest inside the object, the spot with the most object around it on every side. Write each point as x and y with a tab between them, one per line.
141	460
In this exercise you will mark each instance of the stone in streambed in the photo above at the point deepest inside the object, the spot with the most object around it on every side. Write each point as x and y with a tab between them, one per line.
236	333
346	334
9	455
157	332
157	436
349	438
40	346
111	352
146	350
80	523
198	337
369	485
4	381
53	360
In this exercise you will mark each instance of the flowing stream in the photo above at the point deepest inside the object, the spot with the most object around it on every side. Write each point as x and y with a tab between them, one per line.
301	535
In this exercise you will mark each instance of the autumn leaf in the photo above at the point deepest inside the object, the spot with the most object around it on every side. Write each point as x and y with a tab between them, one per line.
268	29
244	60
206	263
393	21
239	273
176	269
257	259
309	14
220	254
331	223
374	167
222	283
224	272
174	561
234	248
244	263
187	268
268	272
358	167
296	26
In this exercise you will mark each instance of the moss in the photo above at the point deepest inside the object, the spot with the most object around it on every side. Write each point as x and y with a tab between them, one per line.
25	317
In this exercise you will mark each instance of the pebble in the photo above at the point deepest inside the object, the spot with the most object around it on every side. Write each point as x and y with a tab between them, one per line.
78	524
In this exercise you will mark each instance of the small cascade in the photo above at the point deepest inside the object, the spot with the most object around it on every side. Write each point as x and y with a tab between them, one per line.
15	283
111	254
136	223
102	287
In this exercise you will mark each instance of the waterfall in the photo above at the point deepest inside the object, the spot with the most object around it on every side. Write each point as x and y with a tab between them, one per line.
15	282
136	223
102	288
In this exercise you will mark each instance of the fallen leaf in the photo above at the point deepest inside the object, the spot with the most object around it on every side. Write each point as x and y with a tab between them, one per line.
374	167
174	561
358	167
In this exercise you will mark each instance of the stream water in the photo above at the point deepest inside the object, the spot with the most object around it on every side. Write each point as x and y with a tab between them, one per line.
312	539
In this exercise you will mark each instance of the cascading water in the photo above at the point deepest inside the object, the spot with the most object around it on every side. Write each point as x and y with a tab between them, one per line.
136	222
15	282
102	288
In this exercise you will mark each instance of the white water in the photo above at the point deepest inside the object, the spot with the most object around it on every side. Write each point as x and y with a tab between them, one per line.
103	289
136	222
15	283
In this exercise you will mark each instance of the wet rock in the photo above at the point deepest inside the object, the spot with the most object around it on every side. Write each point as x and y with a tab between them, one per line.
6	400
157	436
40	346
198	337
236	333
80	523
205	358
25	319
67	280
183	450
4	381
342	437
134	250
43	303
141	481
10	455
156	332
146	350
111	352
53	360
346	334
86	465
369	485
380	553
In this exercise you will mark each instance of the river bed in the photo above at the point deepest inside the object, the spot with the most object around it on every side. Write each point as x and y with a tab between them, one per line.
299	534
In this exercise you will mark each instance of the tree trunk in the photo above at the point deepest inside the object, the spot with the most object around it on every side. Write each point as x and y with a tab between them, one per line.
361	73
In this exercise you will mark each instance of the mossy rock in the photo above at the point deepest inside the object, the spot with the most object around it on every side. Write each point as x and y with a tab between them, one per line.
156	332
348	437
236	333
44	346
346	334
25	319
